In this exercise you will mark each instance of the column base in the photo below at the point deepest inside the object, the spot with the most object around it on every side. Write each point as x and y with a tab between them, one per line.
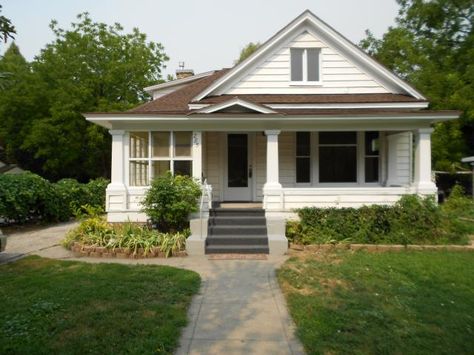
426	188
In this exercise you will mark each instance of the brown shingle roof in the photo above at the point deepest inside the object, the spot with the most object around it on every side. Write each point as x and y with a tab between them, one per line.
177	101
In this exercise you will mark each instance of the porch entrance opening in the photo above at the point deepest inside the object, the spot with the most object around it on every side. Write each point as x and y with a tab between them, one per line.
238	184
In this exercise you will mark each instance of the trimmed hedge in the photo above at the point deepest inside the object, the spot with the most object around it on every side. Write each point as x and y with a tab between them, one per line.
29	197
412	220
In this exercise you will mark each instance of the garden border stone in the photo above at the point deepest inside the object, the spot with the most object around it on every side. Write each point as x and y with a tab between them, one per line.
380	247
81	250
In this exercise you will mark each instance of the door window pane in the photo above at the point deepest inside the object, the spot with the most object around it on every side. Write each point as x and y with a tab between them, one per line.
161	144
138	144
138	173
337	164
182	144
296	64
160	168
313	64
182	167
237	166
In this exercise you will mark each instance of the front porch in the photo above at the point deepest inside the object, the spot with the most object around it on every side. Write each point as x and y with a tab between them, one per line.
283	170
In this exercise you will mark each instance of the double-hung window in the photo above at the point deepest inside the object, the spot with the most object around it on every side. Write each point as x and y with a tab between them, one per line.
371	156
303	157
153	154
305	65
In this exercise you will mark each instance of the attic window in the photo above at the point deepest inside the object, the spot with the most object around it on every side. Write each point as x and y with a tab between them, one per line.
305	65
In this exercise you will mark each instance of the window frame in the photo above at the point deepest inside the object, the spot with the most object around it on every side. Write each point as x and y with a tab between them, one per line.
360	165
150	159
305	81
310	156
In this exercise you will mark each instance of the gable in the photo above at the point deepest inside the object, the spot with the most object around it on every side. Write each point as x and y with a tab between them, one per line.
338	74
349	69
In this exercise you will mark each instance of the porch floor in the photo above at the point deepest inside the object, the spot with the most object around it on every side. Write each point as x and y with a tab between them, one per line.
242	205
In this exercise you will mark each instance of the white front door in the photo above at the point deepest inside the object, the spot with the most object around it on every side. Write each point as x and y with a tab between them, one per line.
239	174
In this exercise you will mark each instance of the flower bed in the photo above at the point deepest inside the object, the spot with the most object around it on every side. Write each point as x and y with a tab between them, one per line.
97	238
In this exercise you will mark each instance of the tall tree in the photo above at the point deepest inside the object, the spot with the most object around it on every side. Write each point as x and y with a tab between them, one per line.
247	51
432	46
7	30
90	67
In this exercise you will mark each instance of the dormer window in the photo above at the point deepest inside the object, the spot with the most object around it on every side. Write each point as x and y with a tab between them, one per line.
305	65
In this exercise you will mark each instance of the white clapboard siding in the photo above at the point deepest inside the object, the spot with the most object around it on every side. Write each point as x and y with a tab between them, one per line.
339	75
399	159
212	168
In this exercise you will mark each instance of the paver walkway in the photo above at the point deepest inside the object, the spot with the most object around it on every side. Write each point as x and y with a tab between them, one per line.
239	309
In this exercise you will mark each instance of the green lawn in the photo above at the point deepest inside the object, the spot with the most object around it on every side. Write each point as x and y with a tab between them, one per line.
382	303
50	306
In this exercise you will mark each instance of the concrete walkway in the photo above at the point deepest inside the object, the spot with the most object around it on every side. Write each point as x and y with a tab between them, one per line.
21	244
239	309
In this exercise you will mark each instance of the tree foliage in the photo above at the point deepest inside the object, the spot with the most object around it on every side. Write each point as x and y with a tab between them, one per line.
432	46
247	51
89	67
7	30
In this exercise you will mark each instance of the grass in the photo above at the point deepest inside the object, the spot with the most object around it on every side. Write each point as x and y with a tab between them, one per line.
382	303
50	306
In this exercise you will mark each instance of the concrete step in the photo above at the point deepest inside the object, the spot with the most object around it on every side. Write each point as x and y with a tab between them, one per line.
237	230
217	212
237	221
234	249
247	240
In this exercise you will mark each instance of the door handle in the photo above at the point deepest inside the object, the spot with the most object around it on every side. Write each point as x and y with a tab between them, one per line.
250	171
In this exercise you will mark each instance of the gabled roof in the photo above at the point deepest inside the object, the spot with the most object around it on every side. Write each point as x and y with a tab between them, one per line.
177	82
234	102
309	22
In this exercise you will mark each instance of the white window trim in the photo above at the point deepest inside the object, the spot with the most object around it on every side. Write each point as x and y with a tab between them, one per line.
150	159
360	153
305	81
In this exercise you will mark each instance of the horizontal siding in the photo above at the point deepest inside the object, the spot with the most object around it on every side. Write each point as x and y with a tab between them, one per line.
339	76
212	169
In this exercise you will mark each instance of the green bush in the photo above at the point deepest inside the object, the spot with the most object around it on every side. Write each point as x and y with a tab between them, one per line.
25	197
170	200
412	220
95	231
28	197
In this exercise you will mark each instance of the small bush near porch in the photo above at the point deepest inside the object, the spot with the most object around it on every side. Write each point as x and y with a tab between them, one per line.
382	303
412	220
64	307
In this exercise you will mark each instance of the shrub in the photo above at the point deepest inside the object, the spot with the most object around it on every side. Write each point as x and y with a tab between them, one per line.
26	196
170	200
412	220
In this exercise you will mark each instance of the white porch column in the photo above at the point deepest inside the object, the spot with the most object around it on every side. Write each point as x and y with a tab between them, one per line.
116	193
422	176
117	172
197	155
273	181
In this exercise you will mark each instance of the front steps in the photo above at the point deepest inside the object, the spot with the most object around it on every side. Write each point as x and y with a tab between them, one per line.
237	230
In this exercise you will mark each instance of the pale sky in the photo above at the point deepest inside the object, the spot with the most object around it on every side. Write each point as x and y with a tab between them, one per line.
205	34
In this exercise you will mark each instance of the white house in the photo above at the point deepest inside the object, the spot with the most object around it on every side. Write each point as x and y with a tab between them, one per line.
309	119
